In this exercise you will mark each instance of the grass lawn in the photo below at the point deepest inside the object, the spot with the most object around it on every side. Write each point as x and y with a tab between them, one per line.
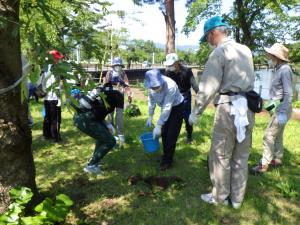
109	198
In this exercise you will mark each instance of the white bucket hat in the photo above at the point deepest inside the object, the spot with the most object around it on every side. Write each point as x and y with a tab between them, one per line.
278	50
171	59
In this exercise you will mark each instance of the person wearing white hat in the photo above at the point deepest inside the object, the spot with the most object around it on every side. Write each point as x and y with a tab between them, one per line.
227	75
281	94
164	92
185	80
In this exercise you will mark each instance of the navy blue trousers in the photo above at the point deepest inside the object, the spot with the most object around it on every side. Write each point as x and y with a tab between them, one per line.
187	104
170	133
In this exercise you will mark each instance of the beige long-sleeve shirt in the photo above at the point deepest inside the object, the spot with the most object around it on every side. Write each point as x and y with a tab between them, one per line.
229	68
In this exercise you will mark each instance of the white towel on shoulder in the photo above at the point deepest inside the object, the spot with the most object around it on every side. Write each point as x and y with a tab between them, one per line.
239	109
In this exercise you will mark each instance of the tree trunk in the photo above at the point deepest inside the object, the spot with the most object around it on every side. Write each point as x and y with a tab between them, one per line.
170	26
17	165
244	24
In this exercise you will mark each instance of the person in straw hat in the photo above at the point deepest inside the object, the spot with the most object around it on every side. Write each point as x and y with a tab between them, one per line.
281	107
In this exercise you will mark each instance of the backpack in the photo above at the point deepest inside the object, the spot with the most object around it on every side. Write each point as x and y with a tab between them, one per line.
39	91
254	100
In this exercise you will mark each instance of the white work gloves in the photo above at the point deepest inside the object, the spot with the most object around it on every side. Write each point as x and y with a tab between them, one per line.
121	139
58	103
193	119
282	119
157	131
111	128
149	121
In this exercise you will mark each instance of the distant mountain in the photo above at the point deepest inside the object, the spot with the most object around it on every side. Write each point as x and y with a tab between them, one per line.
179	47
187	47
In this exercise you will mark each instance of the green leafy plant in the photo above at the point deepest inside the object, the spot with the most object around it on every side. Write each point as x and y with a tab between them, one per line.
287	189
47	212
132	110
296	104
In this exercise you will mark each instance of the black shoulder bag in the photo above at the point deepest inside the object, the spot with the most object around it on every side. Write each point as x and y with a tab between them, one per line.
254	100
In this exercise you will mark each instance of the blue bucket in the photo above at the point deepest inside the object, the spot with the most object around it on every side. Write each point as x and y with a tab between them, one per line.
150	144
43	112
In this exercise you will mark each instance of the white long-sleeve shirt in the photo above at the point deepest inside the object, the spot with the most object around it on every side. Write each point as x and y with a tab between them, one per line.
48	79
166	98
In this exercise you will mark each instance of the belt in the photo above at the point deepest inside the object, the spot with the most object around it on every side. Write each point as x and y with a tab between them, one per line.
231	93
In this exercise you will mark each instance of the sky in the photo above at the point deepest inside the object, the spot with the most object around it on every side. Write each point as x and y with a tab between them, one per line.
152	24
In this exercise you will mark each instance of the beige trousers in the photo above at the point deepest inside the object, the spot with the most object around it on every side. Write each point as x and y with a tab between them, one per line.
228	159
273	140
117	119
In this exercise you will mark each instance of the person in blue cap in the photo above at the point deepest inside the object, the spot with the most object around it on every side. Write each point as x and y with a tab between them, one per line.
116	79
164	92
227	75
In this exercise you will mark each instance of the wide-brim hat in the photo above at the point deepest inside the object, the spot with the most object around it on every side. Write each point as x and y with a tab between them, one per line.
171	58
216	21
153	78
279	51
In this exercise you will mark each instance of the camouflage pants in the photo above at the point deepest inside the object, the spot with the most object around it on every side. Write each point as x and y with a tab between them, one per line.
105	141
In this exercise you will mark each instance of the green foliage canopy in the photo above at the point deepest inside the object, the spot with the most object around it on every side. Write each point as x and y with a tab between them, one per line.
255	23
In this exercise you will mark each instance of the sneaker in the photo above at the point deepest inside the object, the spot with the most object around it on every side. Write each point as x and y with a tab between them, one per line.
275	163
259	169
95	169
44	138
189	140
165	166
210	200
236	205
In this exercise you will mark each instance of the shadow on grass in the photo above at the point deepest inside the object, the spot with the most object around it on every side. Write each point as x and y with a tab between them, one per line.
275	194
110	199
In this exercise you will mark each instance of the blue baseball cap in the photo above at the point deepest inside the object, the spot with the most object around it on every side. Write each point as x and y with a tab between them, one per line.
216	21
117	62
153	78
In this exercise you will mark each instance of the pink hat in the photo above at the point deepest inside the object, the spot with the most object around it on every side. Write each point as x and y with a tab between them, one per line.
279	51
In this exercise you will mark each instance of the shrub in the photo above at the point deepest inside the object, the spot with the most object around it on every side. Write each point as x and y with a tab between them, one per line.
47	212
296	104
132	110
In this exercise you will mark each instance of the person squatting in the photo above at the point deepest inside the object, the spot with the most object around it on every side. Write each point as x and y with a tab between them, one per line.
228	74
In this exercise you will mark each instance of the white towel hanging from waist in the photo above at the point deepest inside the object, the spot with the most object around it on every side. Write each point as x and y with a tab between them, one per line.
239	109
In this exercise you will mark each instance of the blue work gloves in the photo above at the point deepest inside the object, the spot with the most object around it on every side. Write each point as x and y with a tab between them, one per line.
282	119
75	91
157	131
149	121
